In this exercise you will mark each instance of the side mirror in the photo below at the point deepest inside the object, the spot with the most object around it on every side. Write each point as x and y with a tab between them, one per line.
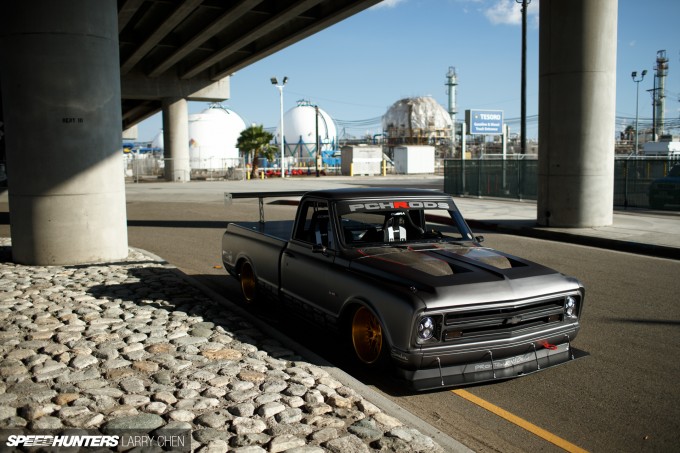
318	248
479	239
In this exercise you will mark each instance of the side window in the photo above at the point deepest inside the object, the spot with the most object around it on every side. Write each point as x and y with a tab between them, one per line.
315	226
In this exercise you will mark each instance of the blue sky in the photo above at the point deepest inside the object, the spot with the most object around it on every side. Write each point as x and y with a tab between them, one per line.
356	69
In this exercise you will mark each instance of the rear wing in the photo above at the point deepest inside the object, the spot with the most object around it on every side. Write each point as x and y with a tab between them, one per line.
230	196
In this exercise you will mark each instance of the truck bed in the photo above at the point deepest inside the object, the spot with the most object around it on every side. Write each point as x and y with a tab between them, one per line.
263	241
277	229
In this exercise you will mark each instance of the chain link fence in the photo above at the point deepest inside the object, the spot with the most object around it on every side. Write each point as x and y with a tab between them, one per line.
150	168
501	178
517	178
633	177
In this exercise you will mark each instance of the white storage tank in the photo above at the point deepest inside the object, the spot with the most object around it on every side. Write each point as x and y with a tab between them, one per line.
299	128
157	141
414	159
213	134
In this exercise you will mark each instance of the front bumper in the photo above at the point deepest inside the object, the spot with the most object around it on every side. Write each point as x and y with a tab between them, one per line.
451	370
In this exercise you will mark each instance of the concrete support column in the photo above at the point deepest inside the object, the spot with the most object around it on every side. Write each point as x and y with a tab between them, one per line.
577	94
60	76
176	140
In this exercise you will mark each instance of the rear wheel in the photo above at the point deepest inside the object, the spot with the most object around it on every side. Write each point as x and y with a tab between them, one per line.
367	337
248	283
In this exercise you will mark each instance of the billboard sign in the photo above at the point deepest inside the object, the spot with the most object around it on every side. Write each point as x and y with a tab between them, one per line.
484	122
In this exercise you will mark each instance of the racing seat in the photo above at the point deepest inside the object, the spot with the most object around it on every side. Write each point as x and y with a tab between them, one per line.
393	229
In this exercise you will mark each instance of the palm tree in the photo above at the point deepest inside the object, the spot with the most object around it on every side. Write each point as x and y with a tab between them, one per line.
256	140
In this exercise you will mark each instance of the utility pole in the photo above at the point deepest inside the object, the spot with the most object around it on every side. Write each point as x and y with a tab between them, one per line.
317	158
637	97
523	127
275	82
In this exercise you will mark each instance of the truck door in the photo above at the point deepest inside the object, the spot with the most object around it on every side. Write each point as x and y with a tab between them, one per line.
307	261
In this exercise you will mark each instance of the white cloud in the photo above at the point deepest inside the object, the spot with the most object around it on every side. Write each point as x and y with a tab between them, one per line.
509	12
506	12
387	4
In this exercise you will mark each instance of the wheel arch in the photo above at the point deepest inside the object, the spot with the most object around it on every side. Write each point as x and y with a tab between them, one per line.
351	306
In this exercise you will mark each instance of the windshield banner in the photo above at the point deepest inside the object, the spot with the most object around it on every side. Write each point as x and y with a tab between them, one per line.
364	206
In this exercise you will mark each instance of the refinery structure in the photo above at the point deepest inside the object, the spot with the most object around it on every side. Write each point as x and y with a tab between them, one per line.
417	121
310	134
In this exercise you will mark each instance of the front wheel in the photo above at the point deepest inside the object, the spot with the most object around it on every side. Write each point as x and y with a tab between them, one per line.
367	337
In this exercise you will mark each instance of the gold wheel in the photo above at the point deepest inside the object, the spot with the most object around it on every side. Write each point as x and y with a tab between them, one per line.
366	336
248	282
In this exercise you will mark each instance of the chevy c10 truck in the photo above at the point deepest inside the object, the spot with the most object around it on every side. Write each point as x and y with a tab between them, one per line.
398	274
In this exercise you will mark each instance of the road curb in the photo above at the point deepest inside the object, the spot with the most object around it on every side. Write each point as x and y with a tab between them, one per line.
658	251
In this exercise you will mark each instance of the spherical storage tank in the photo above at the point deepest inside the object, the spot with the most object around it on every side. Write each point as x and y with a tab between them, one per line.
157	141
417	121
299	128
213	134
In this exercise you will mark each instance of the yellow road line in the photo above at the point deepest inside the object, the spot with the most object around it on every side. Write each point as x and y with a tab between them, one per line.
540	432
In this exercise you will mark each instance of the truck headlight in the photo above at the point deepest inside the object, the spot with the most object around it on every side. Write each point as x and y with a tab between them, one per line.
425	328
570	307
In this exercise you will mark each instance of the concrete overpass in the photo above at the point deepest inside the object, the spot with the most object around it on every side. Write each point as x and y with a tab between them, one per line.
75	73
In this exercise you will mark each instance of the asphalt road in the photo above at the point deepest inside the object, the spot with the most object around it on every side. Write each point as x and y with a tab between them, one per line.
623	397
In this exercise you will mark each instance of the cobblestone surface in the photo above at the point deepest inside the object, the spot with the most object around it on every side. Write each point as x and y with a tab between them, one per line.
134	345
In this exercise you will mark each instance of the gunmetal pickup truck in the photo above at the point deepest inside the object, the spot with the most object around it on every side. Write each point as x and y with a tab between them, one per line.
400	276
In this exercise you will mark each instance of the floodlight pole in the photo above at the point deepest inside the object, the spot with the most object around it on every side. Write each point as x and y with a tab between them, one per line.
318	141
275	82
523	126
637	97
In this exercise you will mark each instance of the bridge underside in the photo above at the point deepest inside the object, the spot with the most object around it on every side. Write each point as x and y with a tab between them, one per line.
182	49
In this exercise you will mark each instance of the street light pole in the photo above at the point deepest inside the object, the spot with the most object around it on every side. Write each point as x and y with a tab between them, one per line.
275	82
317	158
637	97
523	125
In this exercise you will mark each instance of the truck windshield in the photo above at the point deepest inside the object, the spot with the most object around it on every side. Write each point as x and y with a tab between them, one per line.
391	222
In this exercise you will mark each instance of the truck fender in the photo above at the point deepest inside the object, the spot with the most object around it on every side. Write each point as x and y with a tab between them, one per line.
345	322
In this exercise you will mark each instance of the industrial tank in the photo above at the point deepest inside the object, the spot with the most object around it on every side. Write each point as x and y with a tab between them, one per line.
299	128
157	141
213	134
417	121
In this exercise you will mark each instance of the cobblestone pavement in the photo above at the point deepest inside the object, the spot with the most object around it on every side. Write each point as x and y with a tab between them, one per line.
134	345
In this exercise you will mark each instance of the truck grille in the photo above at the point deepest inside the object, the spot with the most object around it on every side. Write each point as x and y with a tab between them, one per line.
501	322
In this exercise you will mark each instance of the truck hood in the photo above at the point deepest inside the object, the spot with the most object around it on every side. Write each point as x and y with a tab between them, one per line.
454	273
